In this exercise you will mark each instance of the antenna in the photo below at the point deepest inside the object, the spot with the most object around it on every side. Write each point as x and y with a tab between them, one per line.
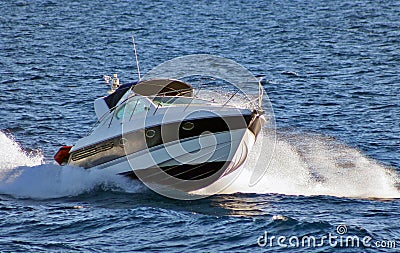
136	56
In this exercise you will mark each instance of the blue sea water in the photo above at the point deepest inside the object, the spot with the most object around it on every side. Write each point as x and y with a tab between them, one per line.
332	74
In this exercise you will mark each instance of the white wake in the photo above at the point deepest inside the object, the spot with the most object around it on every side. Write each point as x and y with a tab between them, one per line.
310	164
25	175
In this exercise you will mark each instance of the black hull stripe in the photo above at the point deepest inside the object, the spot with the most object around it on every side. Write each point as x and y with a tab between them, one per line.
184	171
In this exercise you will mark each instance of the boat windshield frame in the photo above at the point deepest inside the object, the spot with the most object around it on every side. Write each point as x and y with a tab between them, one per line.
168	101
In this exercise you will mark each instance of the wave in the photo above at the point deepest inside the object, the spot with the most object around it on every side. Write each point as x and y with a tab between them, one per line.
311	164
24	175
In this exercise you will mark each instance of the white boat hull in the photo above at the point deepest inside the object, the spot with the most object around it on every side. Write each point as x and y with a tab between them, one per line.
187	164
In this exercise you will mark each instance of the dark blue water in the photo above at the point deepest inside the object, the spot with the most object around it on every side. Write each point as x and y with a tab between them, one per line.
332	74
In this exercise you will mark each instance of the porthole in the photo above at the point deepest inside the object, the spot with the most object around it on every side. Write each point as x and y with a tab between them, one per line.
150	133
187	126
122	142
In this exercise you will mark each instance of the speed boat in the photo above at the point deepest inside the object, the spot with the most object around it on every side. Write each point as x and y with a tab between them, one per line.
161	132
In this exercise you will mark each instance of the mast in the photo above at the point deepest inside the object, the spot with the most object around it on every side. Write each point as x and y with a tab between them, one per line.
136	56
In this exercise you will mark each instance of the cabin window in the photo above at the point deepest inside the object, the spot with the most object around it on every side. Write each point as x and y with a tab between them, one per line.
135	105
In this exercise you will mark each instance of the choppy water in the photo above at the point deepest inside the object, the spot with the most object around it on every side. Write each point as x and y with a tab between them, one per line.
331	73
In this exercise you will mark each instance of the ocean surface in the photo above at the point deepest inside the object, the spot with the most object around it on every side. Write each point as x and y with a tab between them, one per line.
331	72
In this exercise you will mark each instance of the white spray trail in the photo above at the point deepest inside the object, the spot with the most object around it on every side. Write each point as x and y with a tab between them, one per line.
11	154
306	164
23	175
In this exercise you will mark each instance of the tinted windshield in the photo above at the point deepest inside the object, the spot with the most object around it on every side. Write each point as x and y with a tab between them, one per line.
134	105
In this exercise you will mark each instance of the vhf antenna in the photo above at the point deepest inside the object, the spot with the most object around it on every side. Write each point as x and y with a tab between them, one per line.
136	56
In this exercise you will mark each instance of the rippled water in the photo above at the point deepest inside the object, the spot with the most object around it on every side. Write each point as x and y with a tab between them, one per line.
332	76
